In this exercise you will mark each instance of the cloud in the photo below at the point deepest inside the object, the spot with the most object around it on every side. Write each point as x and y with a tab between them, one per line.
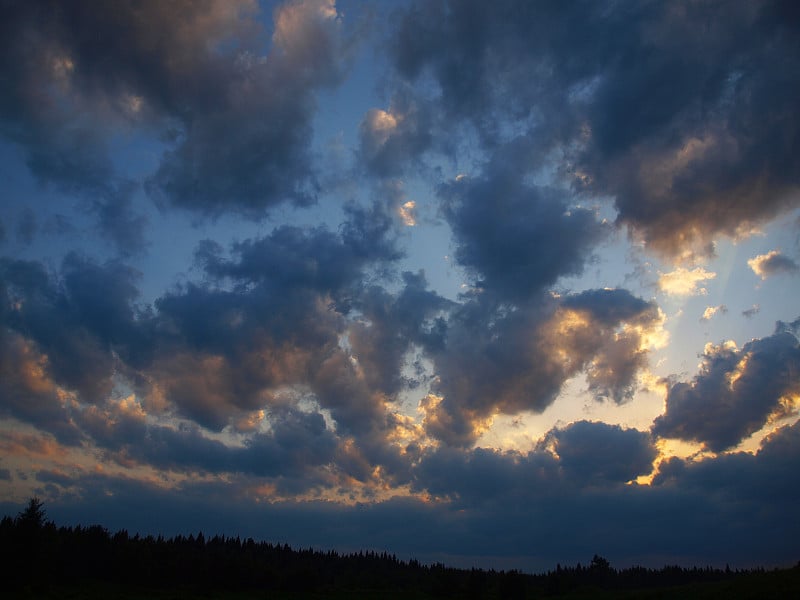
236	123
61	225
291	454
710	311
496	360
290	257
391	325
28	394
79	329
257	344
284	322
391	140
772	263
39	446
251	148
491	506
683	282
515	239
689	162
26	226
280	325
261	335
735	393
224	353
597	453
752	311
211	356
118	222
407	212
273	392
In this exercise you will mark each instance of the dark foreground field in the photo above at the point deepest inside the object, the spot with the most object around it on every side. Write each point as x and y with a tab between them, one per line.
770	585
40	560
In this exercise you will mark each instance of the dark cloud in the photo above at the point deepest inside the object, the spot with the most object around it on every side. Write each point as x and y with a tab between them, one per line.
317	259
735	393
663	107
370	231
752	311
115	424
279	326
58	225
118	222
509	360
222	352
289	258
28	394
78	321
290	453
597	453
288	366
236	122
101	193
60	126
485	476
579	456
728	509
745	487
275	338
515	239
38	65
27	226
102	297
391	140
263	330
480	56
391	325
610	306
237	358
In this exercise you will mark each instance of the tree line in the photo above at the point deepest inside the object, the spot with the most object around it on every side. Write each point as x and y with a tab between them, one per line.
37	556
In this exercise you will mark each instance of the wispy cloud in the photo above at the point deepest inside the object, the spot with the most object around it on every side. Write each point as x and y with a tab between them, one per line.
752	311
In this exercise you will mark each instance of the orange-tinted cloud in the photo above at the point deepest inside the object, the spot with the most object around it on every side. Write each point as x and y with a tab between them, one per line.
685	282
772	263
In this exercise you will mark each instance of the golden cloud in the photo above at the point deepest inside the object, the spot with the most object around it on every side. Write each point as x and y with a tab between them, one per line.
683	282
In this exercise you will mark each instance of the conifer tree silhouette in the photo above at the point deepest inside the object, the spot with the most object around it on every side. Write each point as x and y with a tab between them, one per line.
33	515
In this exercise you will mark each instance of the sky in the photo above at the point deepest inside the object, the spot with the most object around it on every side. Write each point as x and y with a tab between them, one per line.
500	284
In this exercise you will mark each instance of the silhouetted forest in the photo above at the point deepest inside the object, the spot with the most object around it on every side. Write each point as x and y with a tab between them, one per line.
40	559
